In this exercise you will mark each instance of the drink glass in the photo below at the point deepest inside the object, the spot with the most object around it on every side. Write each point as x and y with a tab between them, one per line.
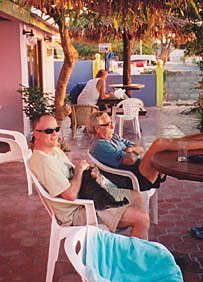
182	151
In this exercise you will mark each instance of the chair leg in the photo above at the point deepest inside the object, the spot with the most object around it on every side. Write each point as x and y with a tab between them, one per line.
146	200
134	125
154	206
54	245
114	115
121	127
138	127
74	129
29	181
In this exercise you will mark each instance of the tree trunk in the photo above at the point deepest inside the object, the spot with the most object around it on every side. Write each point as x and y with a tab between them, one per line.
70	56
165	52
126	60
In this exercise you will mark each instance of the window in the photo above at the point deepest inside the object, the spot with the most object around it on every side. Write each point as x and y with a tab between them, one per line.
35	65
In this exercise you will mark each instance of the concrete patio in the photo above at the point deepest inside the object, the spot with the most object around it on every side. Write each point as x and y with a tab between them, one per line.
25	224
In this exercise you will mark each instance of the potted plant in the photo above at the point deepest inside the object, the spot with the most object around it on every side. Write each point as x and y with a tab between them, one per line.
36	101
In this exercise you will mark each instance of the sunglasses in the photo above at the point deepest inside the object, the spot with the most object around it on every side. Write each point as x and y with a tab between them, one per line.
49	130
106	124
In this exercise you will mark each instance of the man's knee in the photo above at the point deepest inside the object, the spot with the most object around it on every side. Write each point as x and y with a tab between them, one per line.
143	219
140	217
159	142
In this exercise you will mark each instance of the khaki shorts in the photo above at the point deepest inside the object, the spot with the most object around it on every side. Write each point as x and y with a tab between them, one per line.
110	217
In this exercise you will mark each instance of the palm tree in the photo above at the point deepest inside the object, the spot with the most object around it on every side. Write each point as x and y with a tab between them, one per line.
131	19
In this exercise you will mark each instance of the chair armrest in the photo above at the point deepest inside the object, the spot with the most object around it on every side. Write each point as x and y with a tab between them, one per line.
88	204
93	106
120	172
16	136
90	210
119	104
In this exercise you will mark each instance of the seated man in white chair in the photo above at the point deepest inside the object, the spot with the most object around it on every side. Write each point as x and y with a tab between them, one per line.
61	178
110	149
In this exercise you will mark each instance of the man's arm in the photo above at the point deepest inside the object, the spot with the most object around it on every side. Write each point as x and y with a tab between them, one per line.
72	191
197	137
136	148
132	153
130	158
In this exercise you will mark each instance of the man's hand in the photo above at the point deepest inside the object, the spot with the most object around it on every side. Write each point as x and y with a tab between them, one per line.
80	166
96	174
72	191
132	153
135	148
138	149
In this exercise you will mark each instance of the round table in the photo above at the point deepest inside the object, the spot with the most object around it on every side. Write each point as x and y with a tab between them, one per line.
109	103
127	87
166	162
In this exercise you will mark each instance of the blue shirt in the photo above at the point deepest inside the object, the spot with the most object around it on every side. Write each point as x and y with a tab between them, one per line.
110	152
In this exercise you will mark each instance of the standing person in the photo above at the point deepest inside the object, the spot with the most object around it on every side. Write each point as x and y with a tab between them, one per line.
117	152
63	179
95	89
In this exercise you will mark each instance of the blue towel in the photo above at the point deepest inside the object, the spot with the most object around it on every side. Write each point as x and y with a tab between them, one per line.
116	258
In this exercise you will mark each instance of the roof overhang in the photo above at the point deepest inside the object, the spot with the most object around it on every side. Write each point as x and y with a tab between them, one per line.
12	11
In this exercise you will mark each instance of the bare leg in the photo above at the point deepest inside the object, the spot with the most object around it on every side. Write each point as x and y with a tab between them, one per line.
146	168
197	136
137	217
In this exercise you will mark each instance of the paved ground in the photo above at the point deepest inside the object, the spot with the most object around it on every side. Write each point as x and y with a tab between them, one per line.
181	67
25	225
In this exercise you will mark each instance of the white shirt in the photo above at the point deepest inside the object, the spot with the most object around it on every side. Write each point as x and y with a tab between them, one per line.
89	94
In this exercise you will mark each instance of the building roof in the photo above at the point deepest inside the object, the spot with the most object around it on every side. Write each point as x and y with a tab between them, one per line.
12	11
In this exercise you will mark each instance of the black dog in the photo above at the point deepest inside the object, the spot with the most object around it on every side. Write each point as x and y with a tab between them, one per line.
91	190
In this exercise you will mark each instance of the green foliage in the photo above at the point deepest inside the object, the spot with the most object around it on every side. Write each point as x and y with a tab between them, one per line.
195	47
87	51
147	49
67	99
36	102
200	118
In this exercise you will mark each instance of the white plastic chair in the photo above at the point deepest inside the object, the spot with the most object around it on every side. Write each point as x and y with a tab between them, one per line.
18	151
87	234
131	107
59	232
149	195
75	236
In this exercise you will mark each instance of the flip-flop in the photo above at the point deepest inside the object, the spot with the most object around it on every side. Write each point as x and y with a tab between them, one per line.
197	232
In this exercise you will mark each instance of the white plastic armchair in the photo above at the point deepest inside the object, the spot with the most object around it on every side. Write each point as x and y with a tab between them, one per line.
76	235
131	107
58	231
18	151
149	195
94	250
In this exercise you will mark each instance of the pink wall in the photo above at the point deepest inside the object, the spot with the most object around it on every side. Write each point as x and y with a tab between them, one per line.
11	115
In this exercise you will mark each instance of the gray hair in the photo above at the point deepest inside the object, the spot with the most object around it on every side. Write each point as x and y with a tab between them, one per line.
93	120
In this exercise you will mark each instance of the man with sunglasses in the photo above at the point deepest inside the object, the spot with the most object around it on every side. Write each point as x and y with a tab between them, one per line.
61	178
117	152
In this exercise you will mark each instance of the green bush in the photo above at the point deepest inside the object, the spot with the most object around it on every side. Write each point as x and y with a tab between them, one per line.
36	101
